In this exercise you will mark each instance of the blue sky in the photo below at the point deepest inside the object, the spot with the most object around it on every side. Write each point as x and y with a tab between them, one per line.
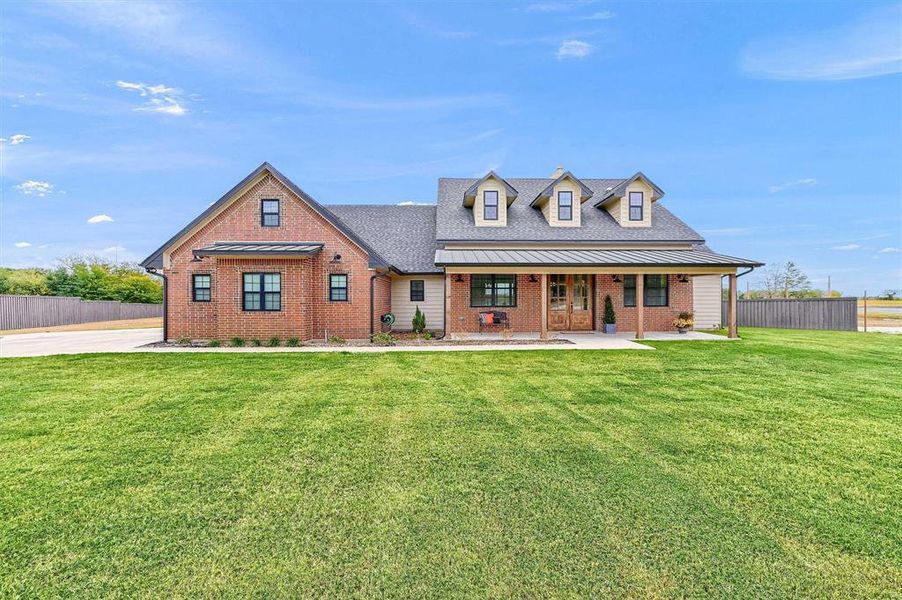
774	128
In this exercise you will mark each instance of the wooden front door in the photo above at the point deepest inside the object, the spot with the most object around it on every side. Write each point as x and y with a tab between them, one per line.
569	302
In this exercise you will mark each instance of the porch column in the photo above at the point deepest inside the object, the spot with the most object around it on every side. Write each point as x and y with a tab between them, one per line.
640	306
543	330
733	333
447	304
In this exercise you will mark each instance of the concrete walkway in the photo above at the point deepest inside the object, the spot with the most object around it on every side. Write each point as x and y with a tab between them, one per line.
77	342
133	340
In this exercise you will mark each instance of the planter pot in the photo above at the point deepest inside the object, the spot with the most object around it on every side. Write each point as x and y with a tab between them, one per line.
682	329
610	328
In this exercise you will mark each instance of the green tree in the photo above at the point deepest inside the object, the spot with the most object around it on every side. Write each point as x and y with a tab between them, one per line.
419	321
23	282
609	316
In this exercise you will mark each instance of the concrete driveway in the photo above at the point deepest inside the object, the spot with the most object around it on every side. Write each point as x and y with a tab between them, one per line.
77	342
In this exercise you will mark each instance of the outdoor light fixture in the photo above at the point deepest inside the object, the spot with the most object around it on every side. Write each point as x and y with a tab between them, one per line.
683	278
617	278
336	258
458	278
532	279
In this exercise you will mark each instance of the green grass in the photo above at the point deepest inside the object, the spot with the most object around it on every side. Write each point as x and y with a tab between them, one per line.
763	468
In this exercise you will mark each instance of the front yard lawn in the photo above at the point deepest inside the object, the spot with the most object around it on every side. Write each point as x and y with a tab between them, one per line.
767	467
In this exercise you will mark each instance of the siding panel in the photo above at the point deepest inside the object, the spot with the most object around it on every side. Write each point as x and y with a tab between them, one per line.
706	299
432	305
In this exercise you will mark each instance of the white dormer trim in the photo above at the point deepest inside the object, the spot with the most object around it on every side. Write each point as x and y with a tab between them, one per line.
549	200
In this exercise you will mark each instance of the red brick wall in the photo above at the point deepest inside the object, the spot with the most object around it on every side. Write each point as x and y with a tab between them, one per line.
306	311
525	317
656	318
381	301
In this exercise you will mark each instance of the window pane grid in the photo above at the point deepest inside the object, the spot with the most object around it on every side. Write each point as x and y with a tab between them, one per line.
262	291
201	288
490	205
655	290
338	288
270	213
417	290
493	291
565	206
636	203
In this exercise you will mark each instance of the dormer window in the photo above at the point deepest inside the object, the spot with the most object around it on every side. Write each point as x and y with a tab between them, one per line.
565	206
637	202
490	205
269	213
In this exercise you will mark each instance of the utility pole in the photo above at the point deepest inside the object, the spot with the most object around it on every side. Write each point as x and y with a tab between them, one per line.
865	311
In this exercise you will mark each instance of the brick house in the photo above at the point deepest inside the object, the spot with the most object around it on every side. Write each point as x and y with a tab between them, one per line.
268	260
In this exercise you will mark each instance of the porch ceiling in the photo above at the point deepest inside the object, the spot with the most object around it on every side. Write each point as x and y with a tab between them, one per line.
505	257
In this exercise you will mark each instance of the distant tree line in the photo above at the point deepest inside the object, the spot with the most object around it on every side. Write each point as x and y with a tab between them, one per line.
787	280
85	277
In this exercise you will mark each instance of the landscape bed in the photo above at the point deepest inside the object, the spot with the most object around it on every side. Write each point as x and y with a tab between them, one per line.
767	467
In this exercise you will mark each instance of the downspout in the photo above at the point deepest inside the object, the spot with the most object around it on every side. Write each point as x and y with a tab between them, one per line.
372	302
444	303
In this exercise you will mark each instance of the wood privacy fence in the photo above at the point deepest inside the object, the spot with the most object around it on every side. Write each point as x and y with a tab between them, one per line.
23	312
804	313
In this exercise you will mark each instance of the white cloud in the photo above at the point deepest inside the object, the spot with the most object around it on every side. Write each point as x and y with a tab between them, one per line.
15	140
430	28
602	15
100	219
485	135
890	250
847	247
557	6
160	98
867	47
156	27
35	188
113	250
413	203
574	49
22	244
806	182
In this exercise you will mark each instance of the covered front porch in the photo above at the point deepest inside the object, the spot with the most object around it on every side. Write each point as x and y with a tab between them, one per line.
553	291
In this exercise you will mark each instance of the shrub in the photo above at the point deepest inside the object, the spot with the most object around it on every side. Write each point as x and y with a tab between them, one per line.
214	344
256	343
183	341
274	341
337	339
684	320
427	335
293	342
609	316
383	339
237	341
419	321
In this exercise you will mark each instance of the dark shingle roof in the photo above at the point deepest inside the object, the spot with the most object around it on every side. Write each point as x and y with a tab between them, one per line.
403	235
527	224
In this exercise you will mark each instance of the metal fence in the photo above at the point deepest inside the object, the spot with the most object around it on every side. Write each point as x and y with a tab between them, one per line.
839	314
23	312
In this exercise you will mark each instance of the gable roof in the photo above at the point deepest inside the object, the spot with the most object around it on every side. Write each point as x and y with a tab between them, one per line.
585	191
470	194
619	190
527	224
403	235
155	260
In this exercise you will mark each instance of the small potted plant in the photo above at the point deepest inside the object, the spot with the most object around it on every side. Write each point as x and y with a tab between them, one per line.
683	321
610	318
